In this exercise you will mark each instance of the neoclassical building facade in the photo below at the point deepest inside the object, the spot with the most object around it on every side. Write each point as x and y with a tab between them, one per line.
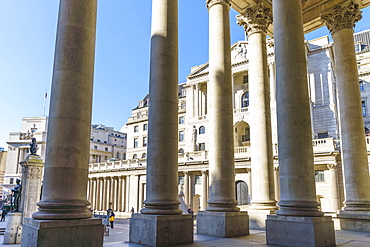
296	209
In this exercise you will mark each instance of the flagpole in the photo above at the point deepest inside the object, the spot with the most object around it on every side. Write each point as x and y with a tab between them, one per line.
46	95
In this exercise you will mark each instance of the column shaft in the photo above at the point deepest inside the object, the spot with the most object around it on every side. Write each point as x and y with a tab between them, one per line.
255	22
353	144
297	180
221	150
186	188
161	197
67	156
204	190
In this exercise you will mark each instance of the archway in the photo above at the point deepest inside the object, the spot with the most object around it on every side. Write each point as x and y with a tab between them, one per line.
241	193
241	134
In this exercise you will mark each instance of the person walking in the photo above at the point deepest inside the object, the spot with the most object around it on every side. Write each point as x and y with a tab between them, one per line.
3	215
111	220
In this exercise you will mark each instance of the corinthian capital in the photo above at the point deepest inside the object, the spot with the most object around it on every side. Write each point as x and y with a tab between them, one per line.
342	17
210	3
255	20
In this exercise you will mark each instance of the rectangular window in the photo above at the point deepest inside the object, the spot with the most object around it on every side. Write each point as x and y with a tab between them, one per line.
181	120
96	147
363	105
136	128
202	146
145	127
181	136
319	176
11	181
136	142
106	149
144	141
322	135
181	180
362	88
245	79
198	179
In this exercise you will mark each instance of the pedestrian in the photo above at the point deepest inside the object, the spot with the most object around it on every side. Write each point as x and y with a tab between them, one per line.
111	220
3	215
191	211
132	210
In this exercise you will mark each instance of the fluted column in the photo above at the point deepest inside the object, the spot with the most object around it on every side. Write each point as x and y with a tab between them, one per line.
161	198
221	150
256	22
297	179
340	23
67	155
204	190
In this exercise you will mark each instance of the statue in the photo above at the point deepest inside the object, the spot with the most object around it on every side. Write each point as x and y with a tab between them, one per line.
33	146
16	198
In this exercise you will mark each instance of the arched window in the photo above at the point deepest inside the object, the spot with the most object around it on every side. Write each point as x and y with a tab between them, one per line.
181	151
202	130
245	99
143	156
134	156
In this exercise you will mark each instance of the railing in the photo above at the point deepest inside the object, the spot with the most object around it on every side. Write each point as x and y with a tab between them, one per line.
245	109
324	145
246	138
138	117
111	165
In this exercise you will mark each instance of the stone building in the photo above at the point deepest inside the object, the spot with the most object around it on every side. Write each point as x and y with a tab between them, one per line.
105	144
297	219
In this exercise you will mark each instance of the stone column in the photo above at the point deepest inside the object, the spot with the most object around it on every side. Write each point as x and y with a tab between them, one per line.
277	183
162	204
272	82
249	183
298	206
221	204
120	206
68	140
197	99
340	23
204	189
186	188
100	194
123	194
332	180
256	22
104	194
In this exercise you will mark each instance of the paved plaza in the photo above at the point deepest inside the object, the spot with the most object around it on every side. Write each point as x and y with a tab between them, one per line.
119	237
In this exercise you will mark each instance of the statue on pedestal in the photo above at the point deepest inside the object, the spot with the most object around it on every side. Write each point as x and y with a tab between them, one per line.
33	146
16	197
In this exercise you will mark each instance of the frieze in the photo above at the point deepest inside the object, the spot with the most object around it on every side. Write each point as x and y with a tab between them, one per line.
255	20
342	17
210	3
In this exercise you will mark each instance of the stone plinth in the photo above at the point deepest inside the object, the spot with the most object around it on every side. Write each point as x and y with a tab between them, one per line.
60	233
312	231
32	169
223	224
354	220
257	218
13	230
161	230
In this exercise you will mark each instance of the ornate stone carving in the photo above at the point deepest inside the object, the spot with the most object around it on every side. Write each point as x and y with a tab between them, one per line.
332	166
210	3
342	17
248	170
255	20
276	168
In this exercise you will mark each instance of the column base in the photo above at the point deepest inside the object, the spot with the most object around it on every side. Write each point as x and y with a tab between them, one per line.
300	231
257	218
354	220
60	233
223	224
13	230
161	230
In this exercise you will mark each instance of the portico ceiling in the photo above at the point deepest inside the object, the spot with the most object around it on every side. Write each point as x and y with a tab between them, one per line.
311	10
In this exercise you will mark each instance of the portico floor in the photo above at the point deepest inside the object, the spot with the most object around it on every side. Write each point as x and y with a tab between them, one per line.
119	236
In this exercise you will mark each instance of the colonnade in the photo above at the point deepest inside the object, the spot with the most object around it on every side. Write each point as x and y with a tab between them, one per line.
64	203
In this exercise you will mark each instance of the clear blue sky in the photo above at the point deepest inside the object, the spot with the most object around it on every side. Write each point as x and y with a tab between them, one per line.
28	30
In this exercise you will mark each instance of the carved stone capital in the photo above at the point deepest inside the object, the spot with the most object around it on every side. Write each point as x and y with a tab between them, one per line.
255	20
342	17
276	168
332	167
210	3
